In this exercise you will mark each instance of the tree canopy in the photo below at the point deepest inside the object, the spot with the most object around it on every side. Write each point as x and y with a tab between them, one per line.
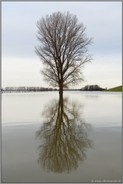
63	48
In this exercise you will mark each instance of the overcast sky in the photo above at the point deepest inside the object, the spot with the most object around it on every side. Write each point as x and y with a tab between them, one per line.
21	66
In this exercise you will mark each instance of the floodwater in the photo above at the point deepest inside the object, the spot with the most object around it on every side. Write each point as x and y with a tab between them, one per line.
76	138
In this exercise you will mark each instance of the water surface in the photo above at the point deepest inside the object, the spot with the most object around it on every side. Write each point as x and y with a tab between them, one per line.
74	139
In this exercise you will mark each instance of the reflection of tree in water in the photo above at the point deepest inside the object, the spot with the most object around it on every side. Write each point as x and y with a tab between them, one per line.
65	137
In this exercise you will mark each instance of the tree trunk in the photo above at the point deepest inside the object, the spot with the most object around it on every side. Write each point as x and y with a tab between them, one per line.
61	88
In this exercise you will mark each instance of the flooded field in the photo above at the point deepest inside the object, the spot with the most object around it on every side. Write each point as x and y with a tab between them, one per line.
76	138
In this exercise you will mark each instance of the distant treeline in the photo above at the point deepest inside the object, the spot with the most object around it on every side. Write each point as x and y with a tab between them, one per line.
26	89
38	89
92	88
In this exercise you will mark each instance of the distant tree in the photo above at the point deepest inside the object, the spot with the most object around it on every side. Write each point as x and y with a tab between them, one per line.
62	49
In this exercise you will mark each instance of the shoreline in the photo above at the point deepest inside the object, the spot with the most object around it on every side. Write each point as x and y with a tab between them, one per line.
57	91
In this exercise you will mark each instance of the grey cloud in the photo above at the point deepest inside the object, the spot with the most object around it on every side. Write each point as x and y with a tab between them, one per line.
102	19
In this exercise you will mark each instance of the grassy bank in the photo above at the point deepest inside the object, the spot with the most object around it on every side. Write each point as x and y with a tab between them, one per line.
115	89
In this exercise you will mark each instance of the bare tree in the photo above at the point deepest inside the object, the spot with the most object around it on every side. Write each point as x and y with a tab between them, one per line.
63	49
